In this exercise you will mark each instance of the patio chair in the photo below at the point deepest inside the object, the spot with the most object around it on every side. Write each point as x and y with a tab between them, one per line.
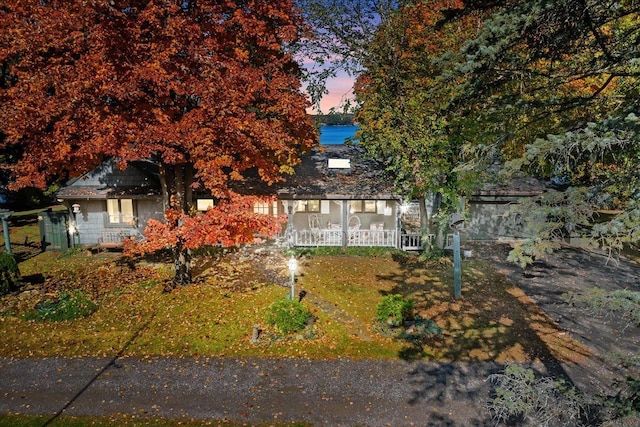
354	222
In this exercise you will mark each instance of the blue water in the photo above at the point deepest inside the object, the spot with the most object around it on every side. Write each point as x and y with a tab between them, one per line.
336	134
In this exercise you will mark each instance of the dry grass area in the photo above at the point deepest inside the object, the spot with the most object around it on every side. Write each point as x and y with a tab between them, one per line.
215	317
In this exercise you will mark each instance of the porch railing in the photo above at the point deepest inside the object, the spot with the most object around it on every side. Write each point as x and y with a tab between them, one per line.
382	238
317	238
372	238
354	238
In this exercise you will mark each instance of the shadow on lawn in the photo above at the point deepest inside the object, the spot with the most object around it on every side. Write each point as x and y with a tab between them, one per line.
493	321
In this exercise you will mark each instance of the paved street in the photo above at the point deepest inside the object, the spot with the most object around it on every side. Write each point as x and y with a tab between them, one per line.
331	393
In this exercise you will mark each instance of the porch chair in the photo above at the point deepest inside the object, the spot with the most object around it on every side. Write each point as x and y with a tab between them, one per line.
354	222
315	226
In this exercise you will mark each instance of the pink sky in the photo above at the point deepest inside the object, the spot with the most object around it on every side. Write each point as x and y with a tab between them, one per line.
339	88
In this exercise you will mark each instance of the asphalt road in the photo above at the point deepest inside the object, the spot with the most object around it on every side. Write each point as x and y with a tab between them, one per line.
325	393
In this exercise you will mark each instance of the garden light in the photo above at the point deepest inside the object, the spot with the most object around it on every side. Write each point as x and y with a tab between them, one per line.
293	266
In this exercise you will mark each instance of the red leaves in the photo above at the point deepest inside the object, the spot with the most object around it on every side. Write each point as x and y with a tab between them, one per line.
231	222
179	81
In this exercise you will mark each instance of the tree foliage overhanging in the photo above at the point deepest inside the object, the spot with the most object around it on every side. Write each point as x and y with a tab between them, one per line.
548	88
207	89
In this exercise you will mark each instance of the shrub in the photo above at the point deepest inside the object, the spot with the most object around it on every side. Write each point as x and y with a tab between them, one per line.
622	304
519	395
67	306
626	402
9	273
287	316
393	309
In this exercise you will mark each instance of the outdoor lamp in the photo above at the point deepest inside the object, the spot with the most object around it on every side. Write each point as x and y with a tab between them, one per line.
293	266
75	208
4	216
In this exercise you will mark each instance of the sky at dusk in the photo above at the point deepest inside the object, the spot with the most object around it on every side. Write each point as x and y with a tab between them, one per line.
339	88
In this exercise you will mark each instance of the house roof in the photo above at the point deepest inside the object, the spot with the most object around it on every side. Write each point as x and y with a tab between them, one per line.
138	180
314	179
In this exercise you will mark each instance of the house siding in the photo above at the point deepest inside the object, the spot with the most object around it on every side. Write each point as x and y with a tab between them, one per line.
487	221
92	219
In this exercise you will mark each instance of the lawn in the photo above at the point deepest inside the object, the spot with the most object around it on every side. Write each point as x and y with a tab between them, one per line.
216	316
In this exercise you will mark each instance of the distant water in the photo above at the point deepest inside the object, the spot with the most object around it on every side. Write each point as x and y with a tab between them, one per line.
336	134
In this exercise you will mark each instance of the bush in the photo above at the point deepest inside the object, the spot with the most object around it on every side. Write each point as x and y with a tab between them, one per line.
393	309
68	306
9	273
288	316
520	396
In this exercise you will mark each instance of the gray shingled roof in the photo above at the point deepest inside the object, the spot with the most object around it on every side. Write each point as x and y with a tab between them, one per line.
314	180
138	180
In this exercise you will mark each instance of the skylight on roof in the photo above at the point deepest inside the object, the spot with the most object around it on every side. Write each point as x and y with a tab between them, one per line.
339	164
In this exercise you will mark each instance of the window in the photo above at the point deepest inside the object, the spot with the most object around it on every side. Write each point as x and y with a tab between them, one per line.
308	206
367	206
266	208
204	204
370	206
120	212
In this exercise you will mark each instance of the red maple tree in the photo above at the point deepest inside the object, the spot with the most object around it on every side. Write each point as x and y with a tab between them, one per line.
207	89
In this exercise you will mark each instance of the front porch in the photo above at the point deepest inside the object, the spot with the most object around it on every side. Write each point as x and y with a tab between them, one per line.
344	223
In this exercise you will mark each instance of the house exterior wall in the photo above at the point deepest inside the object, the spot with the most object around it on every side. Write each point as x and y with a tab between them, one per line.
92	219
487	221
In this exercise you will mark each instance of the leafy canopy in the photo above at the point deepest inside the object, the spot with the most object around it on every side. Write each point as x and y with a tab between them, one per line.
207	89
558	85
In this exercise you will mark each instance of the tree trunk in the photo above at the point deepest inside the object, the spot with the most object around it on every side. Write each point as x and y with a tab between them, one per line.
181	264
177	192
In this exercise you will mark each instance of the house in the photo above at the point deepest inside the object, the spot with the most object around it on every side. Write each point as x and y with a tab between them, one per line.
486	217
336	197
108	204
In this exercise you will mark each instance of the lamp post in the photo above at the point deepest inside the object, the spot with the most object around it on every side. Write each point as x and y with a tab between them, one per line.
75	209
4	216
456	224
293	266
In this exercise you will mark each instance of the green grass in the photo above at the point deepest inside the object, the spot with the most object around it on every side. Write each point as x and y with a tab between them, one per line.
216	316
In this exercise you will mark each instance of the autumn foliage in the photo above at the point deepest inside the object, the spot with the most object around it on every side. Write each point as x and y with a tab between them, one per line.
207	89
231	222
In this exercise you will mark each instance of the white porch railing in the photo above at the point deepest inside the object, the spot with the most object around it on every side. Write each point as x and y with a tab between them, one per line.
354	238
372	238
317	238
382	238
414	241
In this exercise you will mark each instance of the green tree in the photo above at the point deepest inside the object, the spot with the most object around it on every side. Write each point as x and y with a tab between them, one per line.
405	113
552	89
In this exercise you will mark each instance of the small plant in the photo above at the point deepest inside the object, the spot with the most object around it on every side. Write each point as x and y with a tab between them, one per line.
621	304
288	316
393	309
9	273
67	306
519	395
626	403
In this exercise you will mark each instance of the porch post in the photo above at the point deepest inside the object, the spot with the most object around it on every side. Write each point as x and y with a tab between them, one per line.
398	215
345	223
289	206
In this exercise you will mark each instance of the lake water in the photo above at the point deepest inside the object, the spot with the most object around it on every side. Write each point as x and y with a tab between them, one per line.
336	134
